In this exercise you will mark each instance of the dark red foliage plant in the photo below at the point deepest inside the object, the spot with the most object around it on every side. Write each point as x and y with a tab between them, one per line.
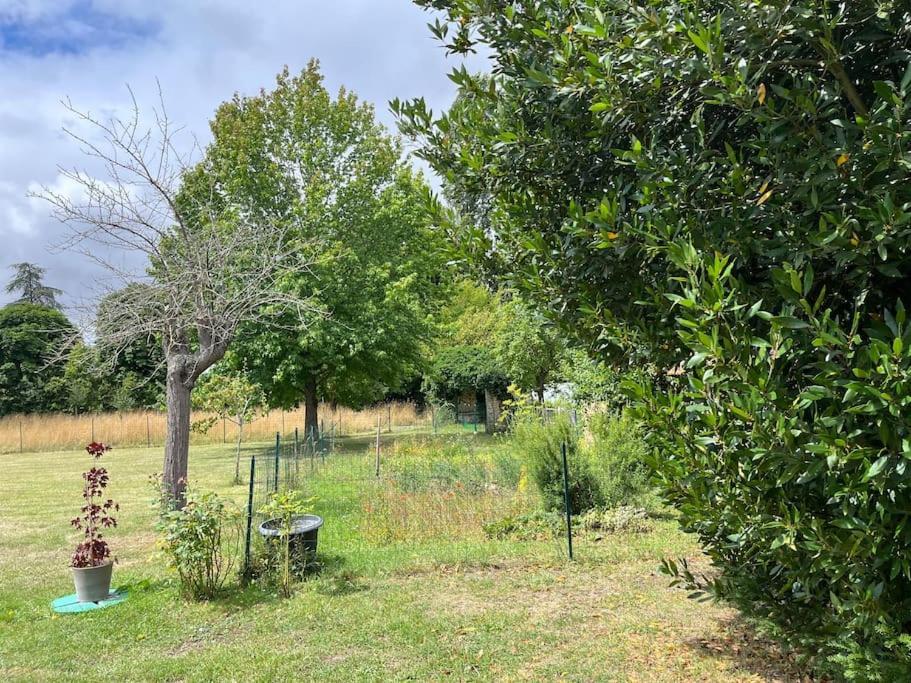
96	515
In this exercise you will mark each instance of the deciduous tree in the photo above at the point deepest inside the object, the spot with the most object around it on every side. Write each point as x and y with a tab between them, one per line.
212	261
325	168
31	338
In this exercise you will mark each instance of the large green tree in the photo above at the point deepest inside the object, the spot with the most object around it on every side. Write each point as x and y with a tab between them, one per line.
32	339
529	347
525	346
721	188
28	281
324	166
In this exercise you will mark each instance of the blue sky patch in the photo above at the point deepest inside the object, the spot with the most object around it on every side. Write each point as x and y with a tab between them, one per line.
75	29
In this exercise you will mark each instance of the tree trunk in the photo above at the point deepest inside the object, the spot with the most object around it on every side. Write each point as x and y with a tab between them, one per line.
311	404
177	441
541	391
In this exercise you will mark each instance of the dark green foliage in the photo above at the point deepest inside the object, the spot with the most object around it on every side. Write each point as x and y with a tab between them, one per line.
92	380
464	368
540	445
619	146
31	337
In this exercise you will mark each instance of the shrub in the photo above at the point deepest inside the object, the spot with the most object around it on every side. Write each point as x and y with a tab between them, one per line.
540	444
607	458
616	456
201	542
619	145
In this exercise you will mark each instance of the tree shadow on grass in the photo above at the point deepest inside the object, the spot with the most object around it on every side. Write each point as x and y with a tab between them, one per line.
738	642
332	576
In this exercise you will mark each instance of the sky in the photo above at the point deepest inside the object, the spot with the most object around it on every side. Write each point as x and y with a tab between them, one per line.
201	52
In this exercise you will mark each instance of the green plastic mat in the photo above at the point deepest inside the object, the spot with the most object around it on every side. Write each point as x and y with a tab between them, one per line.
69	604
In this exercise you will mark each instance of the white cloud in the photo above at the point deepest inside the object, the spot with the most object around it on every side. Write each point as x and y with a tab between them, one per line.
201	52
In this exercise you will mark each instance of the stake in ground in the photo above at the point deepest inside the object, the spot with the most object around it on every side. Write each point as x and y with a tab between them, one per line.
438	604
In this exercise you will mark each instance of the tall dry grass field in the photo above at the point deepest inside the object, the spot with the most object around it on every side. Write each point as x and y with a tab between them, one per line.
60	432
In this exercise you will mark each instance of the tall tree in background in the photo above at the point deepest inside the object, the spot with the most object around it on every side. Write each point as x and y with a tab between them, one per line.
509	334
325	168
28	281
722	188
213	263
529	348
31	338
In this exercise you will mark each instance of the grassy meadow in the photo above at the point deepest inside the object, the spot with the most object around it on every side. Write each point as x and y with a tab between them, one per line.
411	588
61	431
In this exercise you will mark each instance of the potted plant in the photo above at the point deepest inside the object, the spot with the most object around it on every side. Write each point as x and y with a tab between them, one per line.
92	562
294	527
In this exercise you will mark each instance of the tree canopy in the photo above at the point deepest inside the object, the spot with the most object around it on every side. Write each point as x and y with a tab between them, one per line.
323	166
719	189
31	338
28	281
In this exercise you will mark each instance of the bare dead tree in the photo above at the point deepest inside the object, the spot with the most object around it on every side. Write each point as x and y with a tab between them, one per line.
208	264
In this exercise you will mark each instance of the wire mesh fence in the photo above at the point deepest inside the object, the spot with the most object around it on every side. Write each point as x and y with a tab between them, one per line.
61	431
447	495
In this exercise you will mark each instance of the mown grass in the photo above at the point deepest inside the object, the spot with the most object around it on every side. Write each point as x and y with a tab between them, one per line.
443	607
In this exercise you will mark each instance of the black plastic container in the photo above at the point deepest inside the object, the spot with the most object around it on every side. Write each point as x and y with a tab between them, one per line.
304	534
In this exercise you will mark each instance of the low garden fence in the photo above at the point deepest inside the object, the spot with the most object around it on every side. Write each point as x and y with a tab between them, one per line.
449	496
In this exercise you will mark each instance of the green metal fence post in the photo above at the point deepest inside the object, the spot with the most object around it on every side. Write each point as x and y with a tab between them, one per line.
278	445
569	520
249	519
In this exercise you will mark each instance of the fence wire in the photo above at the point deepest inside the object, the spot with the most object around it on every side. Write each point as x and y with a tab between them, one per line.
448	496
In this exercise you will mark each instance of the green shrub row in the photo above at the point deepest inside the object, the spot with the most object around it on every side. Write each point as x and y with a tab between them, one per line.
606	459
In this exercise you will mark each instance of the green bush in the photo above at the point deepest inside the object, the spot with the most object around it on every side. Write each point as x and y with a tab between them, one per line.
201	542
606	457
540	444
616	456
721	187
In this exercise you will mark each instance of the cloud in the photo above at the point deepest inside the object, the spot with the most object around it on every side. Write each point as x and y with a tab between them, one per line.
202	53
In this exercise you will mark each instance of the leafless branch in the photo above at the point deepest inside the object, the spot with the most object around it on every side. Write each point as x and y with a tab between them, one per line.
209	264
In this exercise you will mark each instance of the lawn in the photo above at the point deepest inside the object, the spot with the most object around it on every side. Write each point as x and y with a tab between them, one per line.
396	605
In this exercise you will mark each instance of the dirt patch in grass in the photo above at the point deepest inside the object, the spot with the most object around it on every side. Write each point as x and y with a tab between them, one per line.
626	620
736	641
